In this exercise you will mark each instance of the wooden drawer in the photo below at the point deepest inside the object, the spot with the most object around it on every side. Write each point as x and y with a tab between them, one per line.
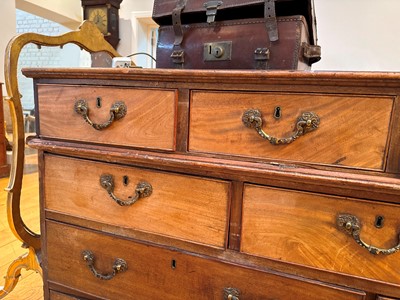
150	120
353	130
61	296
302	228
157	273
183	207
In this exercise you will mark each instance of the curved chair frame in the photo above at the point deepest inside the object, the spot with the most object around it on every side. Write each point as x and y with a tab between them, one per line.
87	37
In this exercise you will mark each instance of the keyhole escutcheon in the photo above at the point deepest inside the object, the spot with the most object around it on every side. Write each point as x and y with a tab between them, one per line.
277	112
98	102
379	221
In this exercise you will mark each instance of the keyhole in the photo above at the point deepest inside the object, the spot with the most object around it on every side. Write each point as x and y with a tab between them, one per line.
173	264
98	102
125	180
218	51
278	112
379	221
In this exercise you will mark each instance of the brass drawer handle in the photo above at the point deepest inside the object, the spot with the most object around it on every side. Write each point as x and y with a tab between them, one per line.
307	122
119	266
117	111
231	294
352	226
143	189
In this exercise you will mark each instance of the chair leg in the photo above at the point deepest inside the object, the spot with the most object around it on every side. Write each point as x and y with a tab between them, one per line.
27	261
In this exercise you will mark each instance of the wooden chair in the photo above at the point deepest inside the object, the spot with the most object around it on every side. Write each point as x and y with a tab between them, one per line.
87	37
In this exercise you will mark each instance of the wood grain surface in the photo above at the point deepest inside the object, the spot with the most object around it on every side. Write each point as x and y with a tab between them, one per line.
353	130
150	120
60	296
151	275
301	228
30	284
228	208
184	207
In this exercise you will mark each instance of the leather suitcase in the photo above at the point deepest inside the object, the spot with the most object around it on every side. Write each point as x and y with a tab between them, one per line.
236	34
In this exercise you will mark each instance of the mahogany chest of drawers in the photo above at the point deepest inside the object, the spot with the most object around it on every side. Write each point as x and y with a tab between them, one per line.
179	184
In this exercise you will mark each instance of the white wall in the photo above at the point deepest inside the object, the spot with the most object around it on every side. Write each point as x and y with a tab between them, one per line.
65	12
135	16
358	35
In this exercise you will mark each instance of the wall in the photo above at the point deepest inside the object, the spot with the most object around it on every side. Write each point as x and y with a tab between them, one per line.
358	35
67	13
135	16
31	56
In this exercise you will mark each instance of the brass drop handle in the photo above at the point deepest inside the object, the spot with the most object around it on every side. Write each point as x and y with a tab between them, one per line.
231	294
143	189
352	226
119	266
307	122
117	111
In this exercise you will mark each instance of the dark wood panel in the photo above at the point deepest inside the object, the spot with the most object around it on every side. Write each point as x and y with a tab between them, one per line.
393	162
235	226
183	120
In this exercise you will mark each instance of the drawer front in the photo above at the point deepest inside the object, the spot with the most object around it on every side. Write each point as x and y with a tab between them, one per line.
303	228
60	296
150	119
352	131
183	207
156	273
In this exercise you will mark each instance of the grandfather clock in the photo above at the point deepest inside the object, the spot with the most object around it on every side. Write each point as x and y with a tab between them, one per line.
104	13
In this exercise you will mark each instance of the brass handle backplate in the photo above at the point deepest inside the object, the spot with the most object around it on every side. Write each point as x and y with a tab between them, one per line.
119	266
143	189
231	294
352	226
117	111
307	122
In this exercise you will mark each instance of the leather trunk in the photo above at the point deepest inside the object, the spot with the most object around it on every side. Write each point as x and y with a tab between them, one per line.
236	34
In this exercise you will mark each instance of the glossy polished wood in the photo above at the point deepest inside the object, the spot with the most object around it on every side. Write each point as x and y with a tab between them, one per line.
150	117
347	134
183	207
155	273
279	208
302	228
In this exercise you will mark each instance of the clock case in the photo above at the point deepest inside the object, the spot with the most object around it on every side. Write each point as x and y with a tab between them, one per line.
113	7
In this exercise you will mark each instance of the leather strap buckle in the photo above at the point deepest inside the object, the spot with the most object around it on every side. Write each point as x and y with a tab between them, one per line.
178	58
177	23
211	7
261	56
270	20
